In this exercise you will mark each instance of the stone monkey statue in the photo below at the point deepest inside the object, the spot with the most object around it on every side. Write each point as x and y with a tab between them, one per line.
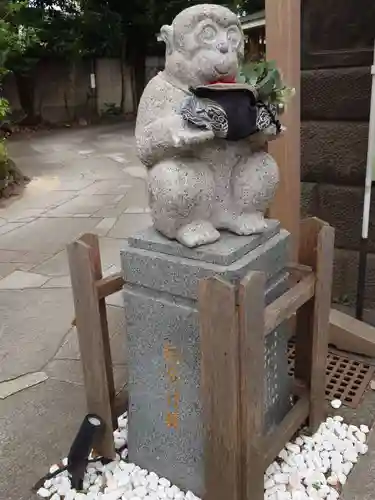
199	183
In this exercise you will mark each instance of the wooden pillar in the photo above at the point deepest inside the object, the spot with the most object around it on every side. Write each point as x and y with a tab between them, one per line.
283	36
220	388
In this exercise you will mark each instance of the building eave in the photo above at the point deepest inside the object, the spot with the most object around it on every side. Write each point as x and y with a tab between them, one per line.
253	21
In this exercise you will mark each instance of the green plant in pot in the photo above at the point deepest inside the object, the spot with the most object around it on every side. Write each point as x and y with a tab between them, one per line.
266	79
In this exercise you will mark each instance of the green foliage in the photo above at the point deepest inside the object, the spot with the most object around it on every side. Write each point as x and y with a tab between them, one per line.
3	151
267	80
4	167
111	109
137	21
4	108
16	36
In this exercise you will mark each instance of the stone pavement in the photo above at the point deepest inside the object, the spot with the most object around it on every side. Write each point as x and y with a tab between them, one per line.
85	180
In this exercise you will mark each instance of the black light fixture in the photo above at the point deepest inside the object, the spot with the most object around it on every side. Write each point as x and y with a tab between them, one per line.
79	453
80	450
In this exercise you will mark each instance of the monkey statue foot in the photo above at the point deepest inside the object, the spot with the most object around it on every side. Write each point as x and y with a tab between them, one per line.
197	233
245	224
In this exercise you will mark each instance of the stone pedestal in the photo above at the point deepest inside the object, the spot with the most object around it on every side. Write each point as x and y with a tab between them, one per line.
165	425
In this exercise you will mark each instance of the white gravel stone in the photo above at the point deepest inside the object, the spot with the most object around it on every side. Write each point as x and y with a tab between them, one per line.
269	483
281	478
283	454
351	455
44	493
361	436
293	448
342	478
278	488
338	418
336	404
309	468
333	480
166	484
347	467
299	495
140	492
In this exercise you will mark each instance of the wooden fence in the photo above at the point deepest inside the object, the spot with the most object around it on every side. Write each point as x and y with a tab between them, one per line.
234	324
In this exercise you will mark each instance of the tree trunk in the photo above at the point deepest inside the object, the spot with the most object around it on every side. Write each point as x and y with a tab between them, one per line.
26	92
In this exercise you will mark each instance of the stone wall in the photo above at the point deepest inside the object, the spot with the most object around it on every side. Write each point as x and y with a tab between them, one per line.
108	78
63	90
337	42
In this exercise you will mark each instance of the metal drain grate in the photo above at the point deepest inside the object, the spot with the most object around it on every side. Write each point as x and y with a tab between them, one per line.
347	379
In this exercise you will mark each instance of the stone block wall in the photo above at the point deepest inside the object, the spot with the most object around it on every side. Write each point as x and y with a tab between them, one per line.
337	43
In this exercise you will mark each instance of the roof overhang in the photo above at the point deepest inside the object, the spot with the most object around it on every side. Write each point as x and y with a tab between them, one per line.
253	21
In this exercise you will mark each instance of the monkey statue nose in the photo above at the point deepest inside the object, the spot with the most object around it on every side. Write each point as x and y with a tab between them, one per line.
223	48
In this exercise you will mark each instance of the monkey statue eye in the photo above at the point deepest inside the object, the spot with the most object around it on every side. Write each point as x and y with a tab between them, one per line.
208	33
234	36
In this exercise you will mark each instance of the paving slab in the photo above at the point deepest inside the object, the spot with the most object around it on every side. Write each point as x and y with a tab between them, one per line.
19	280
33	326
103	228
47	234
83	204
361	483
34	199
107	187
7	268
10	387
7	228
22	256
116	327
58	264
59	183
82	180
58	282
37	429
98	167
68	370
128	223
137	171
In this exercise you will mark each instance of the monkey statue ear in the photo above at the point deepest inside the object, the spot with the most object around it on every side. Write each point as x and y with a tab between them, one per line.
166	35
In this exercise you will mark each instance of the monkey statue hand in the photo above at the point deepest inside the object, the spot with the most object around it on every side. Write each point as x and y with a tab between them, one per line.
190	136
169	134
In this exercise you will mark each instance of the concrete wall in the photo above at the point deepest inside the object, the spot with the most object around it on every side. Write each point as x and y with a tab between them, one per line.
63	91
337	39
108	79
154	64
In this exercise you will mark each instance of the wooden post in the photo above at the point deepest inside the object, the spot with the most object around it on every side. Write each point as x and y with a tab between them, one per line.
252	377
283	35
85	270
92	241
312	331
220	388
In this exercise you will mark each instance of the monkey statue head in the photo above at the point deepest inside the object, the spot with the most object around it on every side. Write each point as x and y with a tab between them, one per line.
204	44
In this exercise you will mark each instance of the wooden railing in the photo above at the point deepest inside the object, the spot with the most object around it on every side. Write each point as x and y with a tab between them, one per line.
233	370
